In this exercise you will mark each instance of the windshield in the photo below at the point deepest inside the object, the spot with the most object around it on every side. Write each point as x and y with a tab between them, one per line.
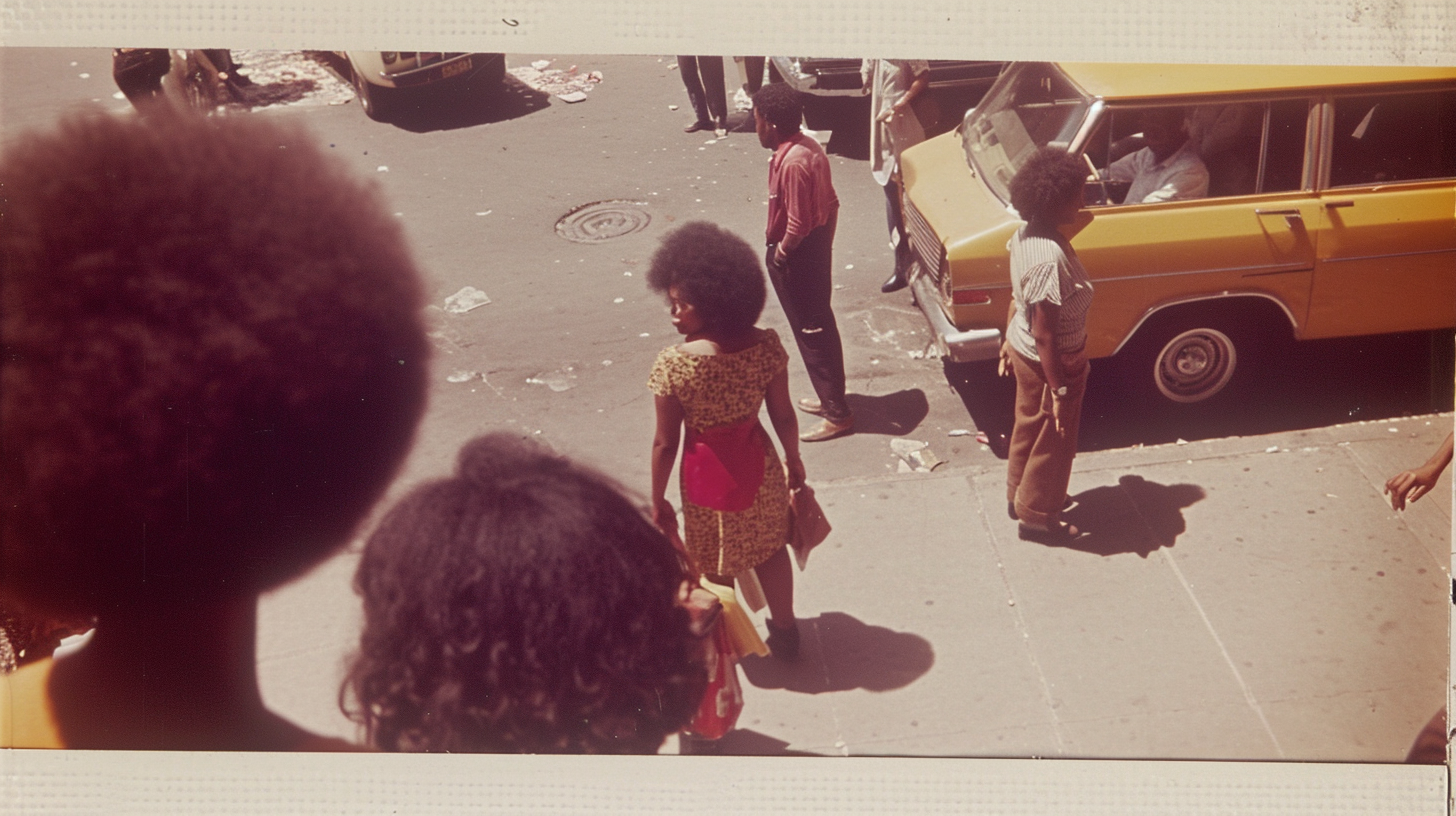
1031	106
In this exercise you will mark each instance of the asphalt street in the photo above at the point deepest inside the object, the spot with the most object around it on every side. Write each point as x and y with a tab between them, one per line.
1245	594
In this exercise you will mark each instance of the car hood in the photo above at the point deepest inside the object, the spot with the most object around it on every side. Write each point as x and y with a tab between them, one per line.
954	202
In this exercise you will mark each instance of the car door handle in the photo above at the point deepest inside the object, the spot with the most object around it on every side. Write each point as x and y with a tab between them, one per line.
1292	218
1330	205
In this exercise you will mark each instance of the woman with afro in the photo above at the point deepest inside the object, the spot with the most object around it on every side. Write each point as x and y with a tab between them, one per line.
522	605
734	491
1046	333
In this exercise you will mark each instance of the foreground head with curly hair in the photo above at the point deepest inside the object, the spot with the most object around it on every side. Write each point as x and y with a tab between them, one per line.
521	605
714	270
1048	181
213	363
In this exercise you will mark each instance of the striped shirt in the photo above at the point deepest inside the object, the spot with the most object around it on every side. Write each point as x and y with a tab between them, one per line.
1045	270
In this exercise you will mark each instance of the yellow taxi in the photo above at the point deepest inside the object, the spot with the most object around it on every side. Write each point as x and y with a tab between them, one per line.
1304	202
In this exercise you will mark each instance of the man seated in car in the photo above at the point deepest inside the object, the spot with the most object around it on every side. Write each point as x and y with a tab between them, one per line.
1167	168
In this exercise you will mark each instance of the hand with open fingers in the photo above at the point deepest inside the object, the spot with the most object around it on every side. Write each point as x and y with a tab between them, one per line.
1409	485
1058	412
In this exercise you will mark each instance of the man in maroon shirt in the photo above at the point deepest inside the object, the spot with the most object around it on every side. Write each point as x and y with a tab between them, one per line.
802	212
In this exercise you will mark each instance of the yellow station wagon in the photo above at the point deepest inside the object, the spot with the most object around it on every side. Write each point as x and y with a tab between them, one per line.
1329	210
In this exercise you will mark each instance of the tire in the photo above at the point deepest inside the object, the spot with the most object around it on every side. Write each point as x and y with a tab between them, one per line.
376	101
1210	356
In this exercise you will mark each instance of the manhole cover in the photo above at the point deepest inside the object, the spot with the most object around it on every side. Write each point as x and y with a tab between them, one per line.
603	221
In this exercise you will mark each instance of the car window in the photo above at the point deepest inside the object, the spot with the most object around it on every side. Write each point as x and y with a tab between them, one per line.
1393	137
1147	155
1031	106
1283	167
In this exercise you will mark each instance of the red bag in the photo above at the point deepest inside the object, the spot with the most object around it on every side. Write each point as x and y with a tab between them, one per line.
723	698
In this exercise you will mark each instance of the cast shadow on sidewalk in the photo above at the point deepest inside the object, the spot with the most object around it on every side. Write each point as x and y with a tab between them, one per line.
989	399
894	414
447	108
1135	516
839	652
747	742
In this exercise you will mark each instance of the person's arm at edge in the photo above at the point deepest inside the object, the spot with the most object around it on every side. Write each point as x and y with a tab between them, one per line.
1409	485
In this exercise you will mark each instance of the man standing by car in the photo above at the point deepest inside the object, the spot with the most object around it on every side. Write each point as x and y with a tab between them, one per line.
802	213
894	127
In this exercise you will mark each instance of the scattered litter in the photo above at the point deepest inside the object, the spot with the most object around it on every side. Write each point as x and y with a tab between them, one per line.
1011	602
849	266
383	168
118	95
1272	449
672	66
838	286
1181	442
959	432
85	76
487	212
559	380
462	376
672	107
1393	430
555	81
645	334
711	141
466	299
875	361
606	362
74	63
916	355
619	300
742	101
1331	496
627	274
574	96
914	455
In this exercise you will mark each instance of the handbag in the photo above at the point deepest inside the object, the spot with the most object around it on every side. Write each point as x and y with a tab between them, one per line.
723	698
808	526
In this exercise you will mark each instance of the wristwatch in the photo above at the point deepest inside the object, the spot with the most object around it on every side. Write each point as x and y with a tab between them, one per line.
1061	392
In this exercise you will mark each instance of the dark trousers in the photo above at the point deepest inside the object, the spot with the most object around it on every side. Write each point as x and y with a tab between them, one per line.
703	77
753	66
804	287
895	220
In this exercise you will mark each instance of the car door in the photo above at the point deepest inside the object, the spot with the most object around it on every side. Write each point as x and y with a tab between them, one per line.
1387	221
1250	236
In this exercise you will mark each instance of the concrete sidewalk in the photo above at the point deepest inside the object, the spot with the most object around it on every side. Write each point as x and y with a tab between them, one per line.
1247	598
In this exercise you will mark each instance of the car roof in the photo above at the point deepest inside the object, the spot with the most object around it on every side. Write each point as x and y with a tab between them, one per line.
1145	80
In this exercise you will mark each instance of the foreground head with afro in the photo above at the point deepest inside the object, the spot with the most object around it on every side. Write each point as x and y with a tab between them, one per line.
213	360
521	605
714	270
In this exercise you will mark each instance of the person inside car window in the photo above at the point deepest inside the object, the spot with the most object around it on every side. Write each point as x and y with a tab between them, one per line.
1167	168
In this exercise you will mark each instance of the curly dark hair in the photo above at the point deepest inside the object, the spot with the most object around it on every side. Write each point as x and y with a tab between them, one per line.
1048	179
714	270
523	605
781	106
213	359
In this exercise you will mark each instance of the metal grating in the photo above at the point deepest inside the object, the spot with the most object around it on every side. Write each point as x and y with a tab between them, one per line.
924	243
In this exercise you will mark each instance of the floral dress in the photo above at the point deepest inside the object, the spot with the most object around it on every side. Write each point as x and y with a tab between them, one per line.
720	392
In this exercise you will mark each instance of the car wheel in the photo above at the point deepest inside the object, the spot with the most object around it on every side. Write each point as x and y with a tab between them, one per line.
373	99
1189	358
1195	364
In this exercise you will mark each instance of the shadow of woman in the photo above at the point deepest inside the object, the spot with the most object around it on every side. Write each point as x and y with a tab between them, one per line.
840	653
747	742
1135	516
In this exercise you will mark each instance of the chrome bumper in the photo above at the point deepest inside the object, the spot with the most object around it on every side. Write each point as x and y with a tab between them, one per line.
960	346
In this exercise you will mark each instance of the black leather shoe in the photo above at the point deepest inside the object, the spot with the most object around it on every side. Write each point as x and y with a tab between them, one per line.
895	283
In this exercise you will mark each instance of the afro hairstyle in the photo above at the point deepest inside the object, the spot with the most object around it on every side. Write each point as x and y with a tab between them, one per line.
213	359
1050	177
781	106
714	270
522	605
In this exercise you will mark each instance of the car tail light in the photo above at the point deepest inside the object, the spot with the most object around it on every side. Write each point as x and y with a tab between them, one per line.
970	297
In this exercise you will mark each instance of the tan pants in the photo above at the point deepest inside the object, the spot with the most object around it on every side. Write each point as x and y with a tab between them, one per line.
1039	464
